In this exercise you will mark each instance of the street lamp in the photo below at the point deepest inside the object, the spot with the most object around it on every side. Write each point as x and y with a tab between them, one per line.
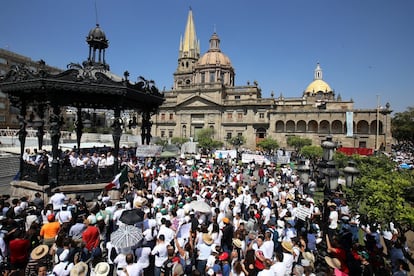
303	171
328	147
236	143
332	175
351	172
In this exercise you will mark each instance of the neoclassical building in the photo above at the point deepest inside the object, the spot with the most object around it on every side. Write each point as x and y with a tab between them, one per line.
204	95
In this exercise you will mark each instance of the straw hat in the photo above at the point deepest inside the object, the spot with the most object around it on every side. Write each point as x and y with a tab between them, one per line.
80	269
288	246
39	252
333	262
237	243
102	269
309	256
207	239
140	202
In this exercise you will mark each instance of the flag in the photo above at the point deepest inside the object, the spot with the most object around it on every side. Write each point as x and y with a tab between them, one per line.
119	179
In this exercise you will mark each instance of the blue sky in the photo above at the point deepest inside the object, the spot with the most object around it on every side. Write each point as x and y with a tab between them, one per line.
365	48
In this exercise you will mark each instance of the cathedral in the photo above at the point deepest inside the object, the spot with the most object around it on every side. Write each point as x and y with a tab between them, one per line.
204	95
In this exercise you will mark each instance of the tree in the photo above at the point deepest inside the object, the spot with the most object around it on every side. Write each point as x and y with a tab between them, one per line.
298	142
311	152
179	141
403	126
237	140
206	141
379	193
268	144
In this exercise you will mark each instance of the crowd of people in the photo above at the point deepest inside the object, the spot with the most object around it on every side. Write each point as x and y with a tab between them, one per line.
260	220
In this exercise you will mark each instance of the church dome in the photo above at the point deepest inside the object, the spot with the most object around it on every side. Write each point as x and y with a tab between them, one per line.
318	86
214	56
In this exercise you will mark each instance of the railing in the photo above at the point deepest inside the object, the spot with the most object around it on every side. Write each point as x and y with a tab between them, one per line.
71	175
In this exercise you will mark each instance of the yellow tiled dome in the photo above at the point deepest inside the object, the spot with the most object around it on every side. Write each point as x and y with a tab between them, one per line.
318	86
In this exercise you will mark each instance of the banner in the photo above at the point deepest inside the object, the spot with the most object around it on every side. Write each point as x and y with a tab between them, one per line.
148	151
349	123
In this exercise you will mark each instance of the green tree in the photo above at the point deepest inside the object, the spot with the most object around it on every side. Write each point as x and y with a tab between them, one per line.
179	141
206	141
379	192
403	126
237	140
298	142
268	144
311	152
161	142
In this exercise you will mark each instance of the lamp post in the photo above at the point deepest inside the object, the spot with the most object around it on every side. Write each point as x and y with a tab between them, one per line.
328	147
332	175
351	172
303	171
236	144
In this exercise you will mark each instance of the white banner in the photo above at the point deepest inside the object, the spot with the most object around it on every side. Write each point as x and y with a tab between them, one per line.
148	151
349	123
303	213
220	154
258	159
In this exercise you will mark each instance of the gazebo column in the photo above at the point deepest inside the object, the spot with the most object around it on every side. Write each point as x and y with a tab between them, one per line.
56	122
22	133
116	136
79	127
40	125
146	128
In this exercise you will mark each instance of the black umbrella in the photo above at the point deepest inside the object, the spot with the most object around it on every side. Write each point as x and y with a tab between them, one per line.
132	216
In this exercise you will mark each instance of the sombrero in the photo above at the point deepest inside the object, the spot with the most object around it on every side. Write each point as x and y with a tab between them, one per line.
80	269
207	239
237	243
39	252
333	262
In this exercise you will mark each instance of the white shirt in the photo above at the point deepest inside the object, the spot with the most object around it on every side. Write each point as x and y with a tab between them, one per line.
333	220
267	249
62	269
57	200
279	269
161	257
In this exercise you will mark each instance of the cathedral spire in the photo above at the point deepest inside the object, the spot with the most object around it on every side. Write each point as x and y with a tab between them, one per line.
189	46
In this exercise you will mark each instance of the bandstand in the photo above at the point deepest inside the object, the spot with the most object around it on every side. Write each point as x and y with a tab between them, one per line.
41	96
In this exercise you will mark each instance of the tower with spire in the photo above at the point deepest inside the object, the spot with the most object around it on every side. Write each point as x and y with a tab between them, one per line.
189	53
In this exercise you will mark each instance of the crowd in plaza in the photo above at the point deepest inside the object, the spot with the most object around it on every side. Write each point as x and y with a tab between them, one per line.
197	217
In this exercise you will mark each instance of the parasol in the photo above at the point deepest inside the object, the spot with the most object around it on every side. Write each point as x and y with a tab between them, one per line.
126	236
132	216
200	206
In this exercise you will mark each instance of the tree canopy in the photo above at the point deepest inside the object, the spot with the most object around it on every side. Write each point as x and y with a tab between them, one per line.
311	152
379	193
403	126
206	141
268	144
298	142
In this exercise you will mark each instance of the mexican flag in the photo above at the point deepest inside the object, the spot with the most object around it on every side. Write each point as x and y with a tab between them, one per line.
119	179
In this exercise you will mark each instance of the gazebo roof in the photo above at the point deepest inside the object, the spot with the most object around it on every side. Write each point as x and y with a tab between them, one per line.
87	86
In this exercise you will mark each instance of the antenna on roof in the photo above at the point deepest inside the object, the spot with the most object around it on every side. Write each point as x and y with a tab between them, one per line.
96	13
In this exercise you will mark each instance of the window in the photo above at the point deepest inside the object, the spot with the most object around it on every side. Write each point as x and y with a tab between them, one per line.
162	133
203	77
163	116
2	118
2	105
170	133
212	76
237	98
171	116
239	134
228	135
261	115
239	115
229	115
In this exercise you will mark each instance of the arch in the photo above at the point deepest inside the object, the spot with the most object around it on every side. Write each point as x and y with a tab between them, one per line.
260	133
337	127
312	126
280	126
362	127
373	127
290	126
301	126
324	127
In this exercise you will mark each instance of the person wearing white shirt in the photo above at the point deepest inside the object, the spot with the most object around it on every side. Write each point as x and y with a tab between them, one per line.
279	268
166	231
109	159
142	260
267	246
160	253
64	215
58	199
